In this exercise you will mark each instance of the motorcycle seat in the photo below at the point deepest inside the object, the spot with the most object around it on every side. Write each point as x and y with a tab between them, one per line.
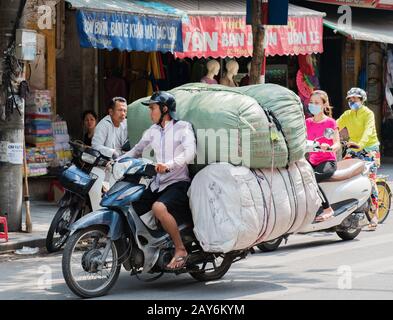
347	169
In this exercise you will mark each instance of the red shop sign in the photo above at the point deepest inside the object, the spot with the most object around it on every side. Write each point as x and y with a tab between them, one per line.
206	36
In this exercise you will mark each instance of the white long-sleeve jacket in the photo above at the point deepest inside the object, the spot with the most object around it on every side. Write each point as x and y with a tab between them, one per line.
107	138
173	145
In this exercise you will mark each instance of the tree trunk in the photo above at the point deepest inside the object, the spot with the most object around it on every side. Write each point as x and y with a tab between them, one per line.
258	34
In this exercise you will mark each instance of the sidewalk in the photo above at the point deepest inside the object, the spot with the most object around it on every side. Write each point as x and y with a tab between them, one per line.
42	213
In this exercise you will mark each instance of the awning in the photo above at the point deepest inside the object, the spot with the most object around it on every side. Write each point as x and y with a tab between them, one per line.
218	29
128	25
367	24
373	4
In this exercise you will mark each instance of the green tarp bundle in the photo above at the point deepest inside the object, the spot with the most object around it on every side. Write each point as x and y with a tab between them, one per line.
234	124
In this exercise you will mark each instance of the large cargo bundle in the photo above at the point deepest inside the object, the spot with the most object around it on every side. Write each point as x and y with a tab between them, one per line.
231	126
235	208
287	108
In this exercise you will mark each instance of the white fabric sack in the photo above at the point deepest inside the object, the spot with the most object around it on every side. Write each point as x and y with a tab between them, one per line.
276	196
299	197
226	205
314	201
234	208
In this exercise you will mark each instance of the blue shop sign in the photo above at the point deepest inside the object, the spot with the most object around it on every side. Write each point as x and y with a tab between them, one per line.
104	30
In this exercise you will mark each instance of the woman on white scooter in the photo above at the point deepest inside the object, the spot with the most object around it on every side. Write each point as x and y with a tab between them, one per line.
324	163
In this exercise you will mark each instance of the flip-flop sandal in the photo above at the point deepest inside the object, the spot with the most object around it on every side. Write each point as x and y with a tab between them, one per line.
178	259
323	217
372	226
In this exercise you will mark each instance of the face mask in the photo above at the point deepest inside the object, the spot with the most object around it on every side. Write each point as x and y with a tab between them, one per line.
354	105
314	109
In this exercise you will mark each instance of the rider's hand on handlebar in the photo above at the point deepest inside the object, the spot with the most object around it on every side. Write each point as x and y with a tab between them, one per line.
162	168
109	165
325	147
353	145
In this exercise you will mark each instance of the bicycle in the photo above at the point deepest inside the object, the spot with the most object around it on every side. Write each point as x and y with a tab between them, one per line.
384	199
383	188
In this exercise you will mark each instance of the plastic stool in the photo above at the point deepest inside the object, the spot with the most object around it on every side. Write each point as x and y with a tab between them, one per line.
54	184
4	235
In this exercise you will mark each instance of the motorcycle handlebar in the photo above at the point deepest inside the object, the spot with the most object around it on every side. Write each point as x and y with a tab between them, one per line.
350	144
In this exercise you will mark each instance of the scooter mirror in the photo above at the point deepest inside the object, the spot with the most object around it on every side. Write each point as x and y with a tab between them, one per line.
328	133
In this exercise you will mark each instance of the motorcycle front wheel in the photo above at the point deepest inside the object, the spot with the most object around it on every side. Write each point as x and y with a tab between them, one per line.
213	269
84	272
58	231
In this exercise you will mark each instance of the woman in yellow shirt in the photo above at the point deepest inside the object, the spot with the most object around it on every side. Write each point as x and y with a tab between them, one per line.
360	124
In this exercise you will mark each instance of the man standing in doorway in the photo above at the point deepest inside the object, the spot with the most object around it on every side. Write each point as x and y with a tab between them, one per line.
111	132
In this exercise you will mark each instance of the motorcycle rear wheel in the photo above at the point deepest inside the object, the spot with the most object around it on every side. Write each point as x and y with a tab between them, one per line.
216	271
349	234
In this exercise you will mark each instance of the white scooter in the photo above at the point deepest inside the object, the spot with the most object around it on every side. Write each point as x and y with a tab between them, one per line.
349	194
84	183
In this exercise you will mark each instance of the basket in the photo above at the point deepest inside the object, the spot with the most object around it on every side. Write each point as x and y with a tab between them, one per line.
77	181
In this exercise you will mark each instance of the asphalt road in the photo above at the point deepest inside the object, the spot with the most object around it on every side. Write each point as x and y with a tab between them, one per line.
317	266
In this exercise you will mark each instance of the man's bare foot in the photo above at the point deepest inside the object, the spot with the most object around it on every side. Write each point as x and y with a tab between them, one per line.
179	259
327	214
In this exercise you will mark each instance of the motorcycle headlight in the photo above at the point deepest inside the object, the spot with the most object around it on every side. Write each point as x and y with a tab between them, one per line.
88	158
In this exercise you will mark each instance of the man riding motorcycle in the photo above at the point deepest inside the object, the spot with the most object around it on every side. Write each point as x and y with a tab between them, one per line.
174	146
360	125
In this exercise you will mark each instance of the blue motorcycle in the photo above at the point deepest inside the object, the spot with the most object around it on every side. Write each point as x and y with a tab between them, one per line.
104	240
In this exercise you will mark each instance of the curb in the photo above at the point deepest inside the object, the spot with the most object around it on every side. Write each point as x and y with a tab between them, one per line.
6	247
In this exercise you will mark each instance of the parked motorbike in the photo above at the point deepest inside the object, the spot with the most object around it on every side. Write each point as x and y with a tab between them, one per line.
83	182
104	240
348	192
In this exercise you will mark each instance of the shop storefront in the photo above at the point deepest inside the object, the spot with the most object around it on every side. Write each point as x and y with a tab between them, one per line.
364	51
121	67
94	34
131	48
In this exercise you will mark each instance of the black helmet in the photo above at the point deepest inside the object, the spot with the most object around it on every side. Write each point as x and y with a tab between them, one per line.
163	98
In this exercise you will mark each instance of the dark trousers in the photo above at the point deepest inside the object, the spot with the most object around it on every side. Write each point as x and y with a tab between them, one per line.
324	171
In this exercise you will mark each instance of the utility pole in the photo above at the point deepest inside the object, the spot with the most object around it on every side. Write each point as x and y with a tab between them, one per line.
259	17
11	119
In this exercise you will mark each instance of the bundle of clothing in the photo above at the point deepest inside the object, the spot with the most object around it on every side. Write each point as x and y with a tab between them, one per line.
235	208
259	126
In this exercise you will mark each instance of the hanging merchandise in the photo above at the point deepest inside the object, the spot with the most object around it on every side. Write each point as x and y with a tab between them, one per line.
307	78
374	74
389	79
154	72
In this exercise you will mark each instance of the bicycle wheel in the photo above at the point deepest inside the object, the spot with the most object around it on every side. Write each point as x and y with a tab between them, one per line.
384	200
